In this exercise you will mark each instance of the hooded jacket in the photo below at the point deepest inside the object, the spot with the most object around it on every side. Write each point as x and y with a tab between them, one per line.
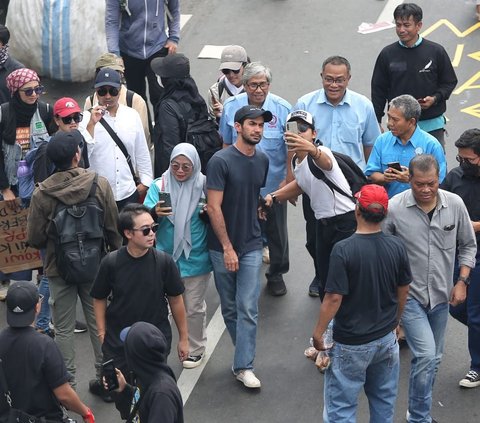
145	351
69	187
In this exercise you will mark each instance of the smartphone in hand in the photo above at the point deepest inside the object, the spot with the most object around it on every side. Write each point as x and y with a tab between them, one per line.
395	165
165	197
110	375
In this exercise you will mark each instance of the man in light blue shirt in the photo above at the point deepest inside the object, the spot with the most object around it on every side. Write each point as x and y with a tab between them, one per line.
344	120
256	81
404	141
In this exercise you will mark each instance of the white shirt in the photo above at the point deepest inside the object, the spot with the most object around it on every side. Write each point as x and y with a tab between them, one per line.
108	160
325	202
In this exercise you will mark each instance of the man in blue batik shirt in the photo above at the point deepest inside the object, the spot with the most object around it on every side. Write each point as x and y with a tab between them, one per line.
256	80
402	143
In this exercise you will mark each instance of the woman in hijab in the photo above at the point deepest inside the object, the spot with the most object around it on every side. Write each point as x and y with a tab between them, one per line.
183	234
158	398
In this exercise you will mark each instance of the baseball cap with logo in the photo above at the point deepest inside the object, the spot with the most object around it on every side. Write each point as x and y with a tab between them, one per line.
107	76
252	112
373	197
232	57
65	107
300	115
22	296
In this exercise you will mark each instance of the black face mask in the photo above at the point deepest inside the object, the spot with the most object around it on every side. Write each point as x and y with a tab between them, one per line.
470	169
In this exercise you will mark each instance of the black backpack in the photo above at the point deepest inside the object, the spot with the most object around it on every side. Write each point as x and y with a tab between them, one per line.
77	231
199	131
353	174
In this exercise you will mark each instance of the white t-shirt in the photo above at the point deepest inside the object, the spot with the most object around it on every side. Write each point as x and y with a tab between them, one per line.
325	201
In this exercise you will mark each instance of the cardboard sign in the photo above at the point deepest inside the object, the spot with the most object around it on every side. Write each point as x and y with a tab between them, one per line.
14	253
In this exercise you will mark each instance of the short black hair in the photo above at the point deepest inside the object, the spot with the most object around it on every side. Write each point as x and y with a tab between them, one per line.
371	216
470	139
126	216
423	163
405	10
337	61
4	34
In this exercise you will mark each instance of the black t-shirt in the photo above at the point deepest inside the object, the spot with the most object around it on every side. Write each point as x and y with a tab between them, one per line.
367	269
138	289
240	177
33	366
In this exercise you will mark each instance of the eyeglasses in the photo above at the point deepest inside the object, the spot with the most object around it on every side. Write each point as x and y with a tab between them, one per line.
39	89
146	231
227	71
303	127
262	85
461	159
76	117
339	81
184	166
110	90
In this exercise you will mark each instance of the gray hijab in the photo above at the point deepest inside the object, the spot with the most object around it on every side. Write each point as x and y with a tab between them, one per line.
185	198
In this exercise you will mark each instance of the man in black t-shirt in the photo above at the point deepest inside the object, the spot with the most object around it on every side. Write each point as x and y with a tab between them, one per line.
234	178
141	282
366	290
36	376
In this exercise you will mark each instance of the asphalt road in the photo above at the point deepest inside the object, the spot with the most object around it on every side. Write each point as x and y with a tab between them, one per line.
293	38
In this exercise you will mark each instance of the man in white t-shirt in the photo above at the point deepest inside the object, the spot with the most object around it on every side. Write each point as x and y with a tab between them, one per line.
334	212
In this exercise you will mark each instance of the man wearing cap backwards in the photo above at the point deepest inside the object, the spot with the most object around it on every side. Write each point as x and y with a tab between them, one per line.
69	185
256	80
333	213
126	97
105	156
137	31
233	61
433	224
234	178
32	364
365	294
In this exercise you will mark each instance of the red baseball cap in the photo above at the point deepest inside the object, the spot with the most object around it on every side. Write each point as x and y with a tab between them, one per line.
65	107
373	197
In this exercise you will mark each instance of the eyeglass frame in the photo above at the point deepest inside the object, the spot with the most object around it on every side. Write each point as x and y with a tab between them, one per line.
182	166
461	159
109	90
71	117
262	85
338	81
146	231
38	90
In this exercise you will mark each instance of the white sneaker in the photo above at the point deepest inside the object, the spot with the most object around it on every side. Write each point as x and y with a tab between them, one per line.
193	361
407	417
266	255
471	380
248	378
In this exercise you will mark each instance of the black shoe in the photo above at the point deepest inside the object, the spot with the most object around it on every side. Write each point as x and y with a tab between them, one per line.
96	388
276	288
49	332
313	289
80	327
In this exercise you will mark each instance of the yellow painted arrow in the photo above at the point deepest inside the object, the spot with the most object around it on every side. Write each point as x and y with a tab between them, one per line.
473	110
475	56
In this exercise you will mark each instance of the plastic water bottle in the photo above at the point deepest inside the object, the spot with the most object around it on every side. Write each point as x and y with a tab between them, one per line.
328	336
323	359
25	180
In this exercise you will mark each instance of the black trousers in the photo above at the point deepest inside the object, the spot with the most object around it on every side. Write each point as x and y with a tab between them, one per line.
311	231
328	232
277	239
132	199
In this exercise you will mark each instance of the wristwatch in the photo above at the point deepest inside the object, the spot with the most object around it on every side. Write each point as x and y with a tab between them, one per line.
465	280
274	198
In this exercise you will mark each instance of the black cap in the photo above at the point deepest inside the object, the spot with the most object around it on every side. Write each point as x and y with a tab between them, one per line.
109	77
171	66
22	296
252	112
62	147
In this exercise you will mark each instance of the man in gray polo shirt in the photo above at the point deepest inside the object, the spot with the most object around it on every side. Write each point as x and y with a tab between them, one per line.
432	223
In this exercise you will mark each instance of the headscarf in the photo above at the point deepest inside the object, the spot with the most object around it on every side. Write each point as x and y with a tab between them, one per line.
185	197
19	77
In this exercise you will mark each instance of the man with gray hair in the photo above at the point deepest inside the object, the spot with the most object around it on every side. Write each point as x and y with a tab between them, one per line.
256	81
393	150
433	224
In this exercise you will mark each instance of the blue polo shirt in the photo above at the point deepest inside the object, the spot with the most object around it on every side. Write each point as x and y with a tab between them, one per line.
347	127
388	148
272	142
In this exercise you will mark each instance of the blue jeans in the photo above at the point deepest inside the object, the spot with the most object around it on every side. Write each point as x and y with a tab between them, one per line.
239	292
425	332
375	367
43	318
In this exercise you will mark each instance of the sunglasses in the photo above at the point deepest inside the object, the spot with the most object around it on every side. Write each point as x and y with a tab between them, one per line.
76	117
111	90
146	231
39	89
227	71
303	127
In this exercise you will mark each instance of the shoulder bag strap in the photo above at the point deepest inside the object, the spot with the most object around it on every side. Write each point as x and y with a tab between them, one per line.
4	385
119	143
135	408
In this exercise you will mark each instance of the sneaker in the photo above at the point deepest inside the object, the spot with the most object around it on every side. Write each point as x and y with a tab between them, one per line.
80	327
276	288
49	332
471	380
407	417
96	388
313	289
266	255
193	361
3	290
248	378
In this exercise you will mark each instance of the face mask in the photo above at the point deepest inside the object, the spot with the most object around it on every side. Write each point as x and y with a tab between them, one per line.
470	169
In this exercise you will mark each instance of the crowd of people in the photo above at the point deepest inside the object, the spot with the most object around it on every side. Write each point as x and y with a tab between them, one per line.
392	257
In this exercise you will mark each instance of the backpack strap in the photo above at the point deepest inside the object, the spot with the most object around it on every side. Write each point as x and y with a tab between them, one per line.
180	113
91	101
93	188
130	94
44	110
319	174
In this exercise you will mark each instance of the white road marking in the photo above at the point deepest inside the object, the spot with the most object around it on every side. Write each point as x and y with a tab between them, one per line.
387	12
183	20
211	52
